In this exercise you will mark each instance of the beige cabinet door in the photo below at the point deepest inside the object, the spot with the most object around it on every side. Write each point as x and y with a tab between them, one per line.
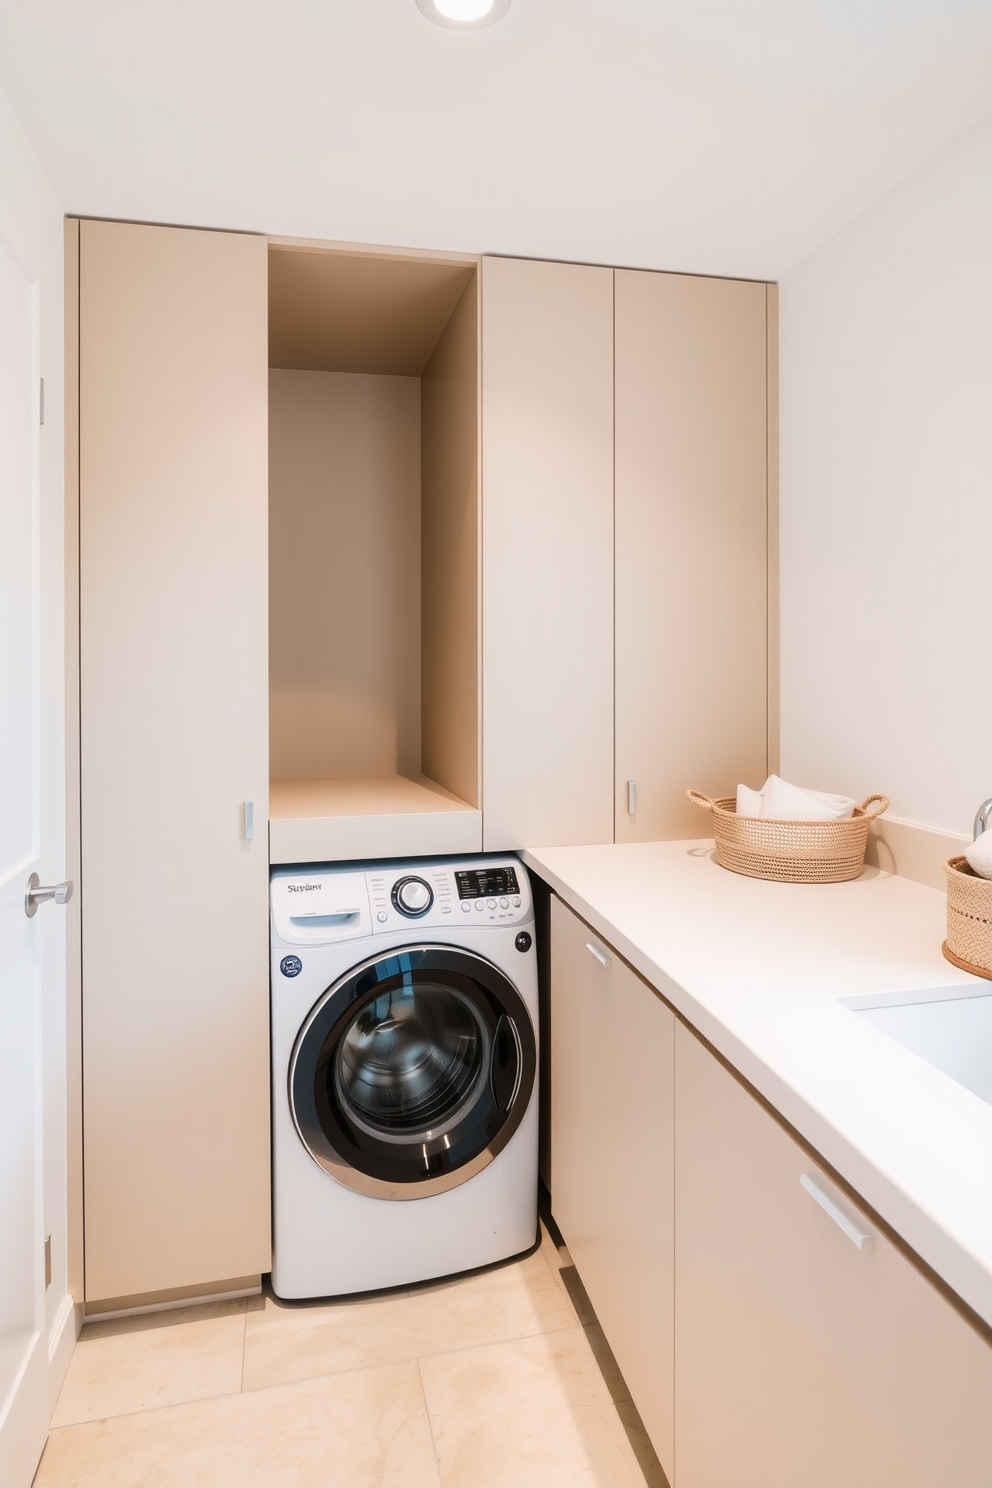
547	503
173	623
802	1359
612	1114
691	566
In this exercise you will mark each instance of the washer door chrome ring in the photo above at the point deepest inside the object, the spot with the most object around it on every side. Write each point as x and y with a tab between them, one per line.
337	1147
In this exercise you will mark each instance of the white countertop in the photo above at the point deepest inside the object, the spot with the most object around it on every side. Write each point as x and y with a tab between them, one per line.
758	969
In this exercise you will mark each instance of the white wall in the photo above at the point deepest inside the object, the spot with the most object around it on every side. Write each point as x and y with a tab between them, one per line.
886	498
31	225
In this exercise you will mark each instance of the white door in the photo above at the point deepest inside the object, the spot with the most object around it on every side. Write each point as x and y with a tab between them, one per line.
23	942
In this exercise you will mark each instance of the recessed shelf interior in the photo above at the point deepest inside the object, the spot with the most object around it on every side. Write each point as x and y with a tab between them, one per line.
373	535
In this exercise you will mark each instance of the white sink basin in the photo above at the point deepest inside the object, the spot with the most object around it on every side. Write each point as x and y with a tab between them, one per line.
950	1027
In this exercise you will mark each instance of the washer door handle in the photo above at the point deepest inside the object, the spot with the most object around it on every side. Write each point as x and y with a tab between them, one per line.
506	1063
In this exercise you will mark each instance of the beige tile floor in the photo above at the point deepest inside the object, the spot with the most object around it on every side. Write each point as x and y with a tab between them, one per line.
497	1380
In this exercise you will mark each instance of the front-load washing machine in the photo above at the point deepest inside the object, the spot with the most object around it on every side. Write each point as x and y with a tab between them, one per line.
404	1072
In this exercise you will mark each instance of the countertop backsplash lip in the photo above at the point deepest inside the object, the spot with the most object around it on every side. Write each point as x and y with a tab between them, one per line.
763	972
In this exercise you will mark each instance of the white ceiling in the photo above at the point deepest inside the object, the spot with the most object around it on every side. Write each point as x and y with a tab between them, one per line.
722	136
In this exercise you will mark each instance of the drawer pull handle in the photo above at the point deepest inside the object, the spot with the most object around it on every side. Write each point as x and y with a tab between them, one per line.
860	1237
631	797
601	956
249	821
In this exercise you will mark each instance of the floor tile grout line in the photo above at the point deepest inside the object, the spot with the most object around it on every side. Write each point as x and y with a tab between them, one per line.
430	1424
323	1374
196	1400
149	1410
330	1374
462	1348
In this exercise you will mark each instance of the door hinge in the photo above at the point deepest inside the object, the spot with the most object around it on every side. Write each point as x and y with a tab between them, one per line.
41	401
48	1260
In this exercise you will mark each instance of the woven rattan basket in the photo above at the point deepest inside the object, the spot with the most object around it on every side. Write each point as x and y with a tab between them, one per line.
790	851
969	918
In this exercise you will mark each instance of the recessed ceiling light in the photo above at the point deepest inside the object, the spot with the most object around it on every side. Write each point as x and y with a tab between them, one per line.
463	15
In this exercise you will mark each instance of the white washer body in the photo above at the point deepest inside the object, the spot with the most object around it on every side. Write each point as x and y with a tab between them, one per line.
329	1239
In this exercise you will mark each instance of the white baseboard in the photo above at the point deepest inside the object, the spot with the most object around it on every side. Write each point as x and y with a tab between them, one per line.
61	1342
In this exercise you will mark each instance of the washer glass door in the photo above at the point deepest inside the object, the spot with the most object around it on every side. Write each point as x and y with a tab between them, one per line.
413	1072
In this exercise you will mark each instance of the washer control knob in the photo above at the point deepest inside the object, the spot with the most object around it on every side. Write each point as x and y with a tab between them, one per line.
412	896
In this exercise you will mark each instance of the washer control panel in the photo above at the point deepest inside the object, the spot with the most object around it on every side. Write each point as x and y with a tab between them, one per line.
326	903
439	893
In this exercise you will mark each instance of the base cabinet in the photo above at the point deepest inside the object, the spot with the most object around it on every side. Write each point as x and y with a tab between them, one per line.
802	1359
612	1110
771	1336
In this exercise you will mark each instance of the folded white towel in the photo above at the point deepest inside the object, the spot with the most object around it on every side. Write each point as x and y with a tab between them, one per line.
785	802
841	806
781	801
979	855
748	801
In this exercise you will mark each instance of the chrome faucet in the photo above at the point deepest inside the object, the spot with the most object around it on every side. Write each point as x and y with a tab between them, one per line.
982	818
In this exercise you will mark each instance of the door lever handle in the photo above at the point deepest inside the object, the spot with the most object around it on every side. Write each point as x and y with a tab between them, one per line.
37	893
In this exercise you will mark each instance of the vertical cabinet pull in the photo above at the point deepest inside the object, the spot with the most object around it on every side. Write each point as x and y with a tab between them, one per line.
601	956
631	797
857	1235
249	820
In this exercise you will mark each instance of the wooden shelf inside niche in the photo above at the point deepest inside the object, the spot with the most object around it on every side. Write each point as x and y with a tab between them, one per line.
368	816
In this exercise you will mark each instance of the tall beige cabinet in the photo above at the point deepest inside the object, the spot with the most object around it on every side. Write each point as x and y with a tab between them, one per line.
547	550
626	528
691	546
174	768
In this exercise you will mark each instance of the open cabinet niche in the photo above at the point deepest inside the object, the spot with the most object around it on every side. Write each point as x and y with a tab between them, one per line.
374	731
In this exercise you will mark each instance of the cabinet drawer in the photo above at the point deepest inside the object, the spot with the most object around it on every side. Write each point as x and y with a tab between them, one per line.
809	1350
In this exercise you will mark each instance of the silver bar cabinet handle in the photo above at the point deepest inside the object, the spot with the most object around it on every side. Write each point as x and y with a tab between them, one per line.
37	893
857	1235
249	821
601	956
631	797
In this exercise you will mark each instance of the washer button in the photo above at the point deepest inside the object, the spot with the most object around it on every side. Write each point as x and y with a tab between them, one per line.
504	904
516	901
382	917
523	941
491	904
466	907
446	909
479	905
